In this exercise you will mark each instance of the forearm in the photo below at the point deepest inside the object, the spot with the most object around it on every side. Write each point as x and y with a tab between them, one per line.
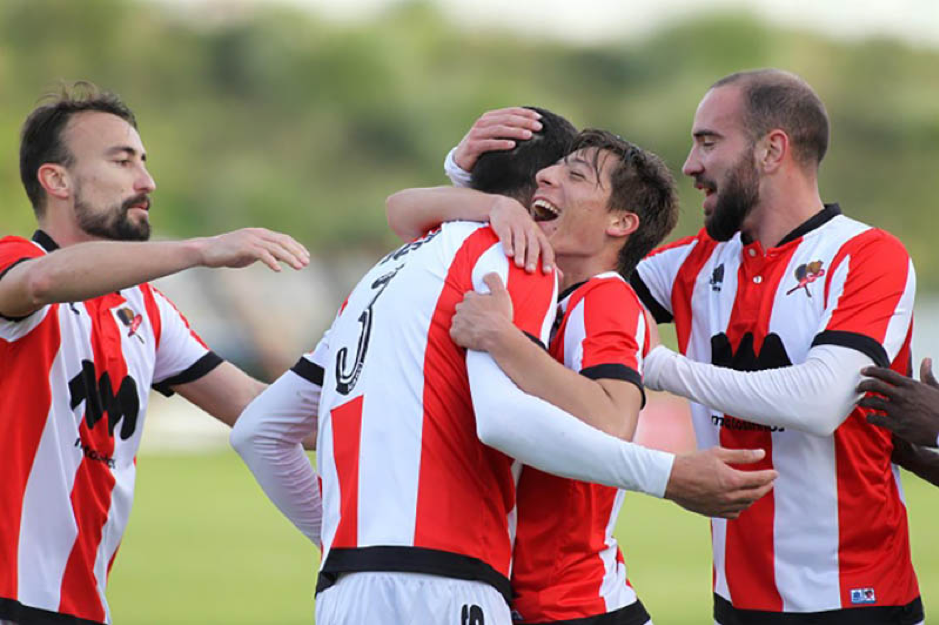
815	396
267	437
921	461
224	392
79	272
547	438
413	212
538	374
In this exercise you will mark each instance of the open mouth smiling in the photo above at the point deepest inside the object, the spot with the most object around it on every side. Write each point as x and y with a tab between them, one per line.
543	210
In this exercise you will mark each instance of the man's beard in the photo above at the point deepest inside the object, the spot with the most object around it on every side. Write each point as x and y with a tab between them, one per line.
740	194
114	223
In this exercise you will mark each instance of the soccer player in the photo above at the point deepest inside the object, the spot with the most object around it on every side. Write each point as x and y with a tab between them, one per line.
417	439
606	205
83	337
778	303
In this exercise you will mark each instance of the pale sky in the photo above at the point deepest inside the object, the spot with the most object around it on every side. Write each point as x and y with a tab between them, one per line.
914	21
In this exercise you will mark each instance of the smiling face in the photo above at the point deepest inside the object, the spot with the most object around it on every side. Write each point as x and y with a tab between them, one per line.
721	162
111	184
572	201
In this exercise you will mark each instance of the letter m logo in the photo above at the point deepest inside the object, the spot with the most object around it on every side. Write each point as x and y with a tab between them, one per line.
100	398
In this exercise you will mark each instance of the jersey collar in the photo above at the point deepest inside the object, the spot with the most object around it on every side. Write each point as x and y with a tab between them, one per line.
815	221
45	241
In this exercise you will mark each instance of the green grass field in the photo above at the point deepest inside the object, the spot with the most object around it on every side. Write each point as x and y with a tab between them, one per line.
205	546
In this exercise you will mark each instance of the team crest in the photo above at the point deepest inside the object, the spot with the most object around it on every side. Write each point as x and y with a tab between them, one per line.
807	274
131	321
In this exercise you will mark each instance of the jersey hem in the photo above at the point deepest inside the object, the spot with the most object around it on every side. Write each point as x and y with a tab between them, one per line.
410	560
13	610
910	614
633	614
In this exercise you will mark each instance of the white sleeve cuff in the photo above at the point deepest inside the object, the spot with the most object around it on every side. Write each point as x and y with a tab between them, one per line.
457	175
815	396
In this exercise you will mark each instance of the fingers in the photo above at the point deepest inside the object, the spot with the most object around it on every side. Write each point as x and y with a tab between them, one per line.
925	373
739	456
888	375
520	241
281	247
534	251
881	421
873	385
755	479
547	253
494	282
874	403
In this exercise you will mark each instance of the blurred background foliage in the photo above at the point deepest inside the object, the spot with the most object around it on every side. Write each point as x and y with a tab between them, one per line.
269	115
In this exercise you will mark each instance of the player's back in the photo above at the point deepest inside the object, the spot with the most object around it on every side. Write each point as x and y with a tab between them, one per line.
407	486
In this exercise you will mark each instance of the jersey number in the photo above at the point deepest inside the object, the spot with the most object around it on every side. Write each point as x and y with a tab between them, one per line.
472	615
346	376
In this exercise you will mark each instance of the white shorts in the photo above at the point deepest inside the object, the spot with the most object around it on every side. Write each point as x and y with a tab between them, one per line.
410	599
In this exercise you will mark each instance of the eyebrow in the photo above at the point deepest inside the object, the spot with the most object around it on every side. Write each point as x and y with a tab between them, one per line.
126	149
700	134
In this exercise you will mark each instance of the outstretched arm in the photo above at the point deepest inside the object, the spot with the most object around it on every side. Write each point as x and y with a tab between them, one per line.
815	396
87	270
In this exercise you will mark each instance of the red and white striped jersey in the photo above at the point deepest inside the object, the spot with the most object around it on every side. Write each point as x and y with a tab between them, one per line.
73	393
567	563
406	483
832	534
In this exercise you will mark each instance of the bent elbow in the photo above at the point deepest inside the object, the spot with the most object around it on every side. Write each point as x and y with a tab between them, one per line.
242	437
394	208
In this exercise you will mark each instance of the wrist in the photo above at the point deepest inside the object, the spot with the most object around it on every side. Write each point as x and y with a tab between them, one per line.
500	338
195	251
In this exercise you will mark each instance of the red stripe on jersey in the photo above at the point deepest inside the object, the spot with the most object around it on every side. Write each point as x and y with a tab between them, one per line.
347	437
455	466
611	318
878	272
22	394
94	482
684	286
531	296
153	312
873	540
750	547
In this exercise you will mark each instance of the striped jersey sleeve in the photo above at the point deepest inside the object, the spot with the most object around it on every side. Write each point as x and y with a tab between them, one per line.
13	251
869	297
656	274
181	355
311	366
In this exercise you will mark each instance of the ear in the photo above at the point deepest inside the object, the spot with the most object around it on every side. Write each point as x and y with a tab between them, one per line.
622	223
772	150
55	180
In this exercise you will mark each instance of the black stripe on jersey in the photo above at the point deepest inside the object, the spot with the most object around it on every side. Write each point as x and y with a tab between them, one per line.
3	273
197	370
633	614
860	342
909	614
45	241
535	340
410	560
616	371
658	311
12	610
309	371
815	221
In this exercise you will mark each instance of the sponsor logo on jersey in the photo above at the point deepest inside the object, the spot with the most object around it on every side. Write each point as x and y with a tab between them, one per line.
733	423
861	596
805	275
717	278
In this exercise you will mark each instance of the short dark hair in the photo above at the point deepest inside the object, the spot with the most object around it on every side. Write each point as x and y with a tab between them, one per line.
512	172
641	184
777	99
41	139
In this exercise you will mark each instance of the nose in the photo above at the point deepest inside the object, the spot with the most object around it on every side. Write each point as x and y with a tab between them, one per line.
547	176
692	166
144	182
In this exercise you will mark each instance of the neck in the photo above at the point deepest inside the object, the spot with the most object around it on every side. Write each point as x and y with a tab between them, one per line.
783	207
577	269
59	223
